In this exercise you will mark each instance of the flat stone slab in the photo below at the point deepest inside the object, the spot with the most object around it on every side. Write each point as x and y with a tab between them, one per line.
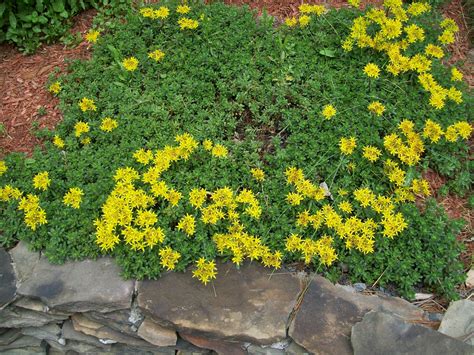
383	333
327	313
7	279
250	304
458	321
74	286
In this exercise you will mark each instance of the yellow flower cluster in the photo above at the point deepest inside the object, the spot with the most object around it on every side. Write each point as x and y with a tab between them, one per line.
205	270
8	193
258	174
34	214
169	257
305	11
347	145
409	152
161	13
80	128
55	87
304	187
73	197
58	142
41	181
3	167
241	245
309	248
394	36
92	36
376	107
187	23
108	124
187	224
183	9
87	104
156	55
329	111
130	64
372	70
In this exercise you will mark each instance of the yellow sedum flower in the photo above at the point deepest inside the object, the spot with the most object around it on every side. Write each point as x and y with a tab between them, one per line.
162	13
258	174
81	128
55	87
434	51
372	70
130	64
347	145
58	142
187	23
456	75
3	167
291	21
432	131
294	199
156	55
371	153
187	224
304	20
169	258
354	3
73	197
87	105
108	124
42	181
183	9
329	111
205	270
197	197
376	107
92	36
219	151
143	156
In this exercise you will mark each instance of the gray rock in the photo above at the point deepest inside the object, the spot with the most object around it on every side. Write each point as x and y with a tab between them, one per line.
259	350
24	261
458	321
22	342
75	347
249	304
381	333
70	334
295	349
219	346
435	317
327	313
359	287
7	279
9	336
117	320
156	334
39	306
46	332
74	286
15	317
125	349
37	350
105	334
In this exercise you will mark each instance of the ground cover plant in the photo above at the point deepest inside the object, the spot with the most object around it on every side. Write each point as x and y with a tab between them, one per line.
198	131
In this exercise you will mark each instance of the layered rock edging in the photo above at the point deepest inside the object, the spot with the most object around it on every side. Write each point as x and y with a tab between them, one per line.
86	307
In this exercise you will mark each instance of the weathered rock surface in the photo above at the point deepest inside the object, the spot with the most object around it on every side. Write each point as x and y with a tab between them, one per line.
121	321
46	332
15	317
458	321
7	279
327	313
25	342
249	304
105	334
74	286
219	346
9	335
156	334
381	333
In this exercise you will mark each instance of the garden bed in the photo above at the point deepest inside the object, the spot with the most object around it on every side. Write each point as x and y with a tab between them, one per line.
270	121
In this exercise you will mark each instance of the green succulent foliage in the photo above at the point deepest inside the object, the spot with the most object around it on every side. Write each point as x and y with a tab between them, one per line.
259	89
28	23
